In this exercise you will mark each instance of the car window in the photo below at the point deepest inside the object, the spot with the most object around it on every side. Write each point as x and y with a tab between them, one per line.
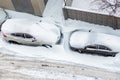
13	34
18	34
28	35
98	47
23	35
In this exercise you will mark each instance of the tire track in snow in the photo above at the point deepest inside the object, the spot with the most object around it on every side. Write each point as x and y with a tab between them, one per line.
69	70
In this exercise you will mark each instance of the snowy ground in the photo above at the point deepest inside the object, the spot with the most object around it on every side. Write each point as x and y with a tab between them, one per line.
21	68
61	52
54	53
92	6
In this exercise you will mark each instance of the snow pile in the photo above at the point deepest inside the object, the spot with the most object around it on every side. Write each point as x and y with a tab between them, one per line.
80	39
40	30
71	25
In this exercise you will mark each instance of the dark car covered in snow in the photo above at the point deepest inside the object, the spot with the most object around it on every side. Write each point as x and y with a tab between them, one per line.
94	43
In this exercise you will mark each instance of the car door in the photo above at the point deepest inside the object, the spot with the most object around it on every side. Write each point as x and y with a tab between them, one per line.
23	38
18	37
29	38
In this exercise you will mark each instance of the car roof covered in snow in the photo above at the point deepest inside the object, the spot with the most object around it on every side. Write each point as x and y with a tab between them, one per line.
21	25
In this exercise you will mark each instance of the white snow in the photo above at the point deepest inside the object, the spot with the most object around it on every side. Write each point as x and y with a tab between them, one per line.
88	6
88	26
85	4
49	74
61	52
53	75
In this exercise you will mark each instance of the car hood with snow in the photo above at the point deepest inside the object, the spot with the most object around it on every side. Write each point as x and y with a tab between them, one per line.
44	32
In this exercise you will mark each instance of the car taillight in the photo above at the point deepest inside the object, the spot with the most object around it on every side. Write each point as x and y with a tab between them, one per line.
4	35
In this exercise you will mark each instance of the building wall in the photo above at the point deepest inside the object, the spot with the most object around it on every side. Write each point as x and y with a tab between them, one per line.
37	6
7	4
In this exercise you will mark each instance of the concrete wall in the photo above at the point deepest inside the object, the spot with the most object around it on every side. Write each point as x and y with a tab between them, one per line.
100	19
37	5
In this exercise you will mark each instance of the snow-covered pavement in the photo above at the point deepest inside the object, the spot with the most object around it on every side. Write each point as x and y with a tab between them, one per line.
22	68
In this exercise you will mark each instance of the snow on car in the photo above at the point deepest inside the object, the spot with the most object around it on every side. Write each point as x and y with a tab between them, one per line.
3	15
30	32
94	43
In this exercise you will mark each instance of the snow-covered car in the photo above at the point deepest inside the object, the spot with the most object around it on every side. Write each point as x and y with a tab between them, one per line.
3	16
94	43
30	32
